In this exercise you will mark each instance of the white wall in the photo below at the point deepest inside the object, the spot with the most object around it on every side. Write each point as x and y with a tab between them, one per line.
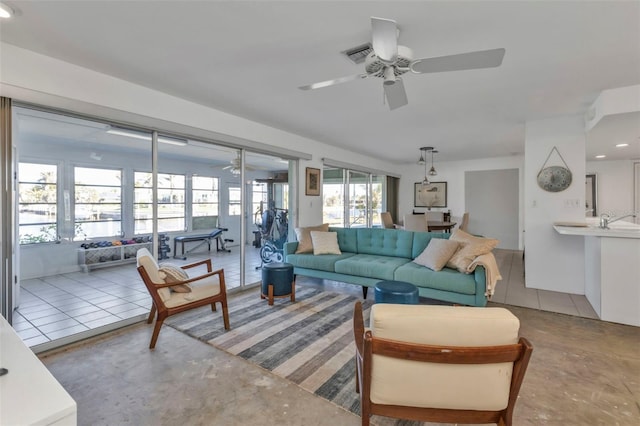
453	172
39	79
615	185
553	261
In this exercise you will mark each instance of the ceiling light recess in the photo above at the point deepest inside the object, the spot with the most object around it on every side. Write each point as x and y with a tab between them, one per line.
601	156
621	145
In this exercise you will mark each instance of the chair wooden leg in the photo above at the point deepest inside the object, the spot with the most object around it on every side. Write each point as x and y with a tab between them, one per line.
213	307
293	291
225	314
156	332
151	313
270	294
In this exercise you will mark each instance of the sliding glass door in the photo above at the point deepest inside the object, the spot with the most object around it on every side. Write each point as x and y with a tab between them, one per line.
90	194
351	198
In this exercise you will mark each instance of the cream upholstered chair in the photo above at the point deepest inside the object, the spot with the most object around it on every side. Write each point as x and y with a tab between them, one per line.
435	216
415	222
206	289
444	364
387	220
465	222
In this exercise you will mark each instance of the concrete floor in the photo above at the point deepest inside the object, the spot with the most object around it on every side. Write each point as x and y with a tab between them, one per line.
583	372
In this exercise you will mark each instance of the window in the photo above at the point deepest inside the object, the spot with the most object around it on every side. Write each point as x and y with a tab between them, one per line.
37	192
259	198
235	209
204	196
171	191
352	198
98	202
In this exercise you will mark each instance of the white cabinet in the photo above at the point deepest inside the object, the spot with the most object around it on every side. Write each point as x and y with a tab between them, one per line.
29	394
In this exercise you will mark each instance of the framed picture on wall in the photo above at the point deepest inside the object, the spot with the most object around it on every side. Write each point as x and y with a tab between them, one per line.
433	195
312	185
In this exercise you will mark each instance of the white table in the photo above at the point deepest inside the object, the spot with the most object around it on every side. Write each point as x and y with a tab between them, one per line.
29	394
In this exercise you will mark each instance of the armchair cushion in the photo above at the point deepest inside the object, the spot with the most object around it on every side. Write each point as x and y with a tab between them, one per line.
175	274
433	385
146	260
201	289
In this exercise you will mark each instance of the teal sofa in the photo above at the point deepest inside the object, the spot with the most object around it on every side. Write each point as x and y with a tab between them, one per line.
370	255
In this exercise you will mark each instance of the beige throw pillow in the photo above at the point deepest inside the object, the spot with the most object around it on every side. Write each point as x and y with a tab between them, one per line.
175	274
471	247
305	244
325	242
437	253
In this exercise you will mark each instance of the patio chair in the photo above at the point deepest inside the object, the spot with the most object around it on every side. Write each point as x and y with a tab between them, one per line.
173	291
443	364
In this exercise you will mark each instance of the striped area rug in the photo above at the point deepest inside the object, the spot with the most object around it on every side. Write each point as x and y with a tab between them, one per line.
309	342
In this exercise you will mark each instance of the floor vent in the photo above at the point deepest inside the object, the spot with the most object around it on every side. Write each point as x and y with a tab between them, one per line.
358	54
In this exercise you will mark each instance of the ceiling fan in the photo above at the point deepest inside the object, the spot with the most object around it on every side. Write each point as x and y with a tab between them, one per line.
389	61
236	165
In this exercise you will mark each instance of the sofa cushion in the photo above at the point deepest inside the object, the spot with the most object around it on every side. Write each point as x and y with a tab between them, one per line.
305	244
370	266
386	242
447	279
471	247
325	243
347	239
321	263
437	253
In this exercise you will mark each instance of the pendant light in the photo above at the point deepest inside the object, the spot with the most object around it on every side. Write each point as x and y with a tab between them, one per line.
432	171
423	150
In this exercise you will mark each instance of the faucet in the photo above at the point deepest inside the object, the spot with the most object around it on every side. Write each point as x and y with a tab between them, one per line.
605	219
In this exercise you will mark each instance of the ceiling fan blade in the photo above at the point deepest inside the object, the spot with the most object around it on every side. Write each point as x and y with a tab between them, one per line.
395	94
333	82
384	38
462	61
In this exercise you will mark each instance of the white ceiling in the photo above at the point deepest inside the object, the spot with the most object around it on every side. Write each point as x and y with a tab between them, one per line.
248	58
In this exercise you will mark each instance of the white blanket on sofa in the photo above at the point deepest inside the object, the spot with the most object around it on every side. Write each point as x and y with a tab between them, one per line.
492	272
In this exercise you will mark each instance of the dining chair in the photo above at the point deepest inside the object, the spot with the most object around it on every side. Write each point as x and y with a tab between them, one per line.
415	222
387	220
465	222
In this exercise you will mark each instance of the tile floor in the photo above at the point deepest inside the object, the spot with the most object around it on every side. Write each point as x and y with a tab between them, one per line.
59	306
62	305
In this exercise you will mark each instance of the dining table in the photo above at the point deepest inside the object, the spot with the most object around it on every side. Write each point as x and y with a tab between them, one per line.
440	226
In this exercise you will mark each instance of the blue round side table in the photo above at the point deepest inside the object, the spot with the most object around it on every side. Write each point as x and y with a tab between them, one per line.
397	292
278	281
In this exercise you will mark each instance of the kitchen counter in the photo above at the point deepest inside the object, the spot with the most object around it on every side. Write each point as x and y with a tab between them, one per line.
589	227
612	268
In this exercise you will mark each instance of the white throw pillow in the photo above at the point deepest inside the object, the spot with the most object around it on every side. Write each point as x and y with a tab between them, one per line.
325	243
437	253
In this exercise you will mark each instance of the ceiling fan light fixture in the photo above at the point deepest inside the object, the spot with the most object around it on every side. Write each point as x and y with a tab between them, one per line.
389	76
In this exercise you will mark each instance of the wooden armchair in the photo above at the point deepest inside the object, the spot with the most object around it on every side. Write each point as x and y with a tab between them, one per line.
439	363
206	289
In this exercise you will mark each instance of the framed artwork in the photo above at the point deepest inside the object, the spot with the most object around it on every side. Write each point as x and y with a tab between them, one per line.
312	185
433	195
